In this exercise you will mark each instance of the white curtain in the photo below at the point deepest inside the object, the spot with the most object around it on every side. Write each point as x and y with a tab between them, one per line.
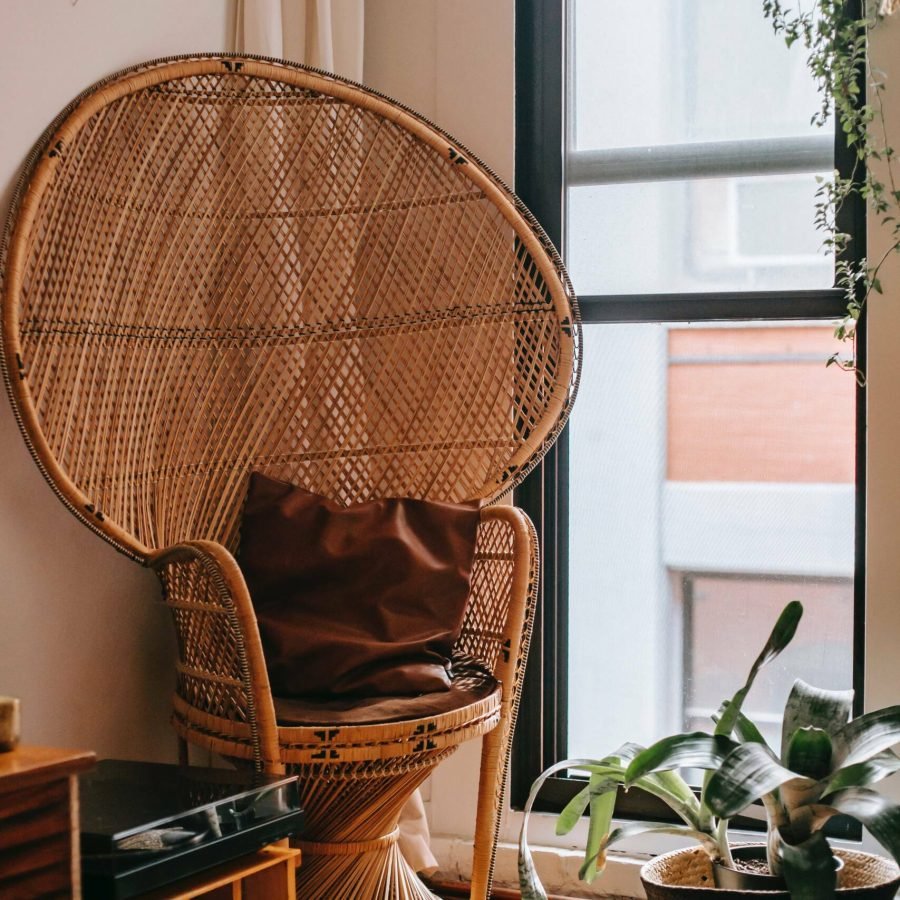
326	34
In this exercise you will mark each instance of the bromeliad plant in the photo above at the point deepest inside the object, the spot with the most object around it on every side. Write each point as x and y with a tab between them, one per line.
826	765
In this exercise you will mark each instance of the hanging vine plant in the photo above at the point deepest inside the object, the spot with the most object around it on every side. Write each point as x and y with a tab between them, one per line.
851	87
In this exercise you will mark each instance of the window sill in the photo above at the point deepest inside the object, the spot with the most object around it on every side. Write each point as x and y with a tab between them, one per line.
558	869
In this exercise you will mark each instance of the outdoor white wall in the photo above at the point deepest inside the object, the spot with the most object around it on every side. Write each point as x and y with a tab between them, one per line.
83	640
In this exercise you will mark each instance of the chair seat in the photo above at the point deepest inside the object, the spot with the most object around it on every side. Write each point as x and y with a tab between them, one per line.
469	683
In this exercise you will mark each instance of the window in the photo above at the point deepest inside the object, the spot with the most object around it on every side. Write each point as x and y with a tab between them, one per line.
711	470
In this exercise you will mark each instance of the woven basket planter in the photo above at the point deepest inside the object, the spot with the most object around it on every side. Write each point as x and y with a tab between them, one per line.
687	874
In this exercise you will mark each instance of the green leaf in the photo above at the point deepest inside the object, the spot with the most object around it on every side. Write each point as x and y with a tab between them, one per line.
744	727
598	830
529	883
871	733
669	787
747	774
810	706
863	773
809	753
672	783
691	750
781	636
633	829
748	732
573	811
808	869
673	790
599	784
880	815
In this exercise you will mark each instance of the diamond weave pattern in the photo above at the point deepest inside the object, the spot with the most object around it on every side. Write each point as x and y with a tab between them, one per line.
229	272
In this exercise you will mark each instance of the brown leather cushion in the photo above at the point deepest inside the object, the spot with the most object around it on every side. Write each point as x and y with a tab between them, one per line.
470	683
358	601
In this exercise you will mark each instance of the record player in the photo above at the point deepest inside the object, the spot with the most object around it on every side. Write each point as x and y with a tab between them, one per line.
145	825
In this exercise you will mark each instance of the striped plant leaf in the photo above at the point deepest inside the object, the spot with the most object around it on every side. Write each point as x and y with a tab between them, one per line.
809	706
749	772
808	869
880	815
529	882
691	750
871	733
863	773
809	752
633	829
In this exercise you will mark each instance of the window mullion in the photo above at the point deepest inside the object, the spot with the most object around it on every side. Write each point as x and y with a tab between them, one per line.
707	159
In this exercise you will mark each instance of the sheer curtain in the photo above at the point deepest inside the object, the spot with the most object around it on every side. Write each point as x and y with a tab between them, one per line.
326	34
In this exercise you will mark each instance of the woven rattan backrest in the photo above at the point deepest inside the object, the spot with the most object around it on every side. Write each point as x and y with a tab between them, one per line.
219	264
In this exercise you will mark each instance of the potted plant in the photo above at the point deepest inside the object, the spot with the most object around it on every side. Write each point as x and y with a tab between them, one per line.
827	765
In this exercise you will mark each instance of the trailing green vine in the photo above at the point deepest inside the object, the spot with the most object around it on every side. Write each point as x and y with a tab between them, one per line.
851	88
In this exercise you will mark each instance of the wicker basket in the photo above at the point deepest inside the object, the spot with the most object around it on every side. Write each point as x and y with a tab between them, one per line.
687	874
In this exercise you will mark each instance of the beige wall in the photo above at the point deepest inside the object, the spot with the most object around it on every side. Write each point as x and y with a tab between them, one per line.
453	62
83	641
883	558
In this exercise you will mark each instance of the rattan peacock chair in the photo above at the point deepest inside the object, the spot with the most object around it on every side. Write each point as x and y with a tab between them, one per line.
220	264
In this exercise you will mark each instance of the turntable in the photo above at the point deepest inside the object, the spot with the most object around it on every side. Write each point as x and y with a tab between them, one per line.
145	825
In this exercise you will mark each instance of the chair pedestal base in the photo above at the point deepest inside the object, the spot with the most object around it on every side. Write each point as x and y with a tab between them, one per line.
356	870
349	845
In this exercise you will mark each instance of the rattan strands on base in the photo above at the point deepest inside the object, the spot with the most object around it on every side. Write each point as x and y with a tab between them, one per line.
220	264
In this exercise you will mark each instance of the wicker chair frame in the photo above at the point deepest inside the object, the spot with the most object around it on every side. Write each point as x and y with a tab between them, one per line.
220	263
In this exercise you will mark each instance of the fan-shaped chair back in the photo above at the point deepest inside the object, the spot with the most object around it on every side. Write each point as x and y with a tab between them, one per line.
224	264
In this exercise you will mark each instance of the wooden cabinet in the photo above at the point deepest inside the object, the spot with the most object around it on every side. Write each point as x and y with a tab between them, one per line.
265	875
39	822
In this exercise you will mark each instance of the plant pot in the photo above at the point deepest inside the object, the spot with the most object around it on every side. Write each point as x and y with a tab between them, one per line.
738	879
688	875
743	880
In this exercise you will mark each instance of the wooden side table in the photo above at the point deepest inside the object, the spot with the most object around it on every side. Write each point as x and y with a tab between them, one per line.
39	821
267	874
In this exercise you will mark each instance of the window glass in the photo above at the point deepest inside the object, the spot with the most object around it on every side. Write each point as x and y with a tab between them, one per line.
747	606
702	235
711	480
677	71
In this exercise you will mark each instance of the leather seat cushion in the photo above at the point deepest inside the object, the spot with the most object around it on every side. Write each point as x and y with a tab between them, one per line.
469	684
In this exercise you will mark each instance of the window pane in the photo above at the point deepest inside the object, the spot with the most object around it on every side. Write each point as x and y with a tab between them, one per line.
711	481
674	71
716	234
749	606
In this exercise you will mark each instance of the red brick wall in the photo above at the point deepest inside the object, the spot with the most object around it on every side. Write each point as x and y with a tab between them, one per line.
734	420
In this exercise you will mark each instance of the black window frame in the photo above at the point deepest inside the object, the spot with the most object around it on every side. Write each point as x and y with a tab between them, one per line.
540	47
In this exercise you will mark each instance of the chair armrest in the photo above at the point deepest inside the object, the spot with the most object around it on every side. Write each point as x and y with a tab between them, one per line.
497	630
497	626
221	667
